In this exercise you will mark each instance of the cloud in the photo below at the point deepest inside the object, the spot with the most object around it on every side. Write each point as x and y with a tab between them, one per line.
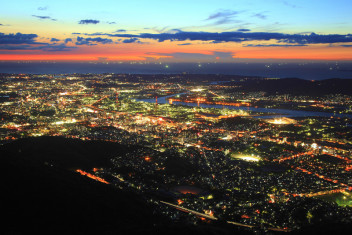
18	38
223	17
19	41
222	14
289	4
42	8
15	47
240	37
131	40
90	41
243	30
44	17
89	22
183	36
184	44
68	40
162	30
317	38
274	45
346	45
120	31
55	47
173	31
47	47
111	22
260	16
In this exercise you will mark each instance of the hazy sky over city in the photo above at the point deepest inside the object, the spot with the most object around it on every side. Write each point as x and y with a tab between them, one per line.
175	31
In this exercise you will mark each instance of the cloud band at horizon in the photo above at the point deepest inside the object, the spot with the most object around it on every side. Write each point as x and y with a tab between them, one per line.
216	32
28	44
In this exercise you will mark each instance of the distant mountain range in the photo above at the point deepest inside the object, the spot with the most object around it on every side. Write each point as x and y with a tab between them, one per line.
296	86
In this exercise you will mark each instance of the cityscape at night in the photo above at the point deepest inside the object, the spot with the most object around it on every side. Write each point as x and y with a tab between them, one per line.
197	117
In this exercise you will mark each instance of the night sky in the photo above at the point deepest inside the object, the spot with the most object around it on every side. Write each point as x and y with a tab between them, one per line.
175	31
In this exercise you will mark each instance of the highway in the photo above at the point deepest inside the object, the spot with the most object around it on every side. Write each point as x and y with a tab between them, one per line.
190	211
214	218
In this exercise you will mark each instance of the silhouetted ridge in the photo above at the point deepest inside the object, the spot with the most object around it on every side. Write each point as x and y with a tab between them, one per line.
53	200
296	86
44	195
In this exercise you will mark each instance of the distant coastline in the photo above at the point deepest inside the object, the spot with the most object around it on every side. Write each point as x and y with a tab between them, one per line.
308	71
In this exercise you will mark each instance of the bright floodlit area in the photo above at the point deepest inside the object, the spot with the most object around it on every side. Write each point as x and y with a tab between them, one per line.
249	158
281	121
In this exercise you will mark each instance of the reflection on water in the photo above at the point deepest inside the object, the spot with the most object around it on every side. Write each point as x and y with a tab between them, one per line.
281	112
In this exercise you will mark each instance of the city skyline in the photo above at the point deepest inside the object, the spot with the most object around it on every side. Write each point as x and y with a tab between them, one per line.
196	31
225	153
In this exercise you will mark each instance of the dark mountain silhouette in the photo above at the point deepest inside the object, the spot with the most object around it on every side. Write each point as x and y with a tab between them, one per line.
43	195
296	86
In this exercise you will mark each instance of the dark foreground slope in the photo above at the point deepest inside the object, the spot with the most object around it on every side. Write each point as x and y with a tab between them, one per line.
52	199
43	195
